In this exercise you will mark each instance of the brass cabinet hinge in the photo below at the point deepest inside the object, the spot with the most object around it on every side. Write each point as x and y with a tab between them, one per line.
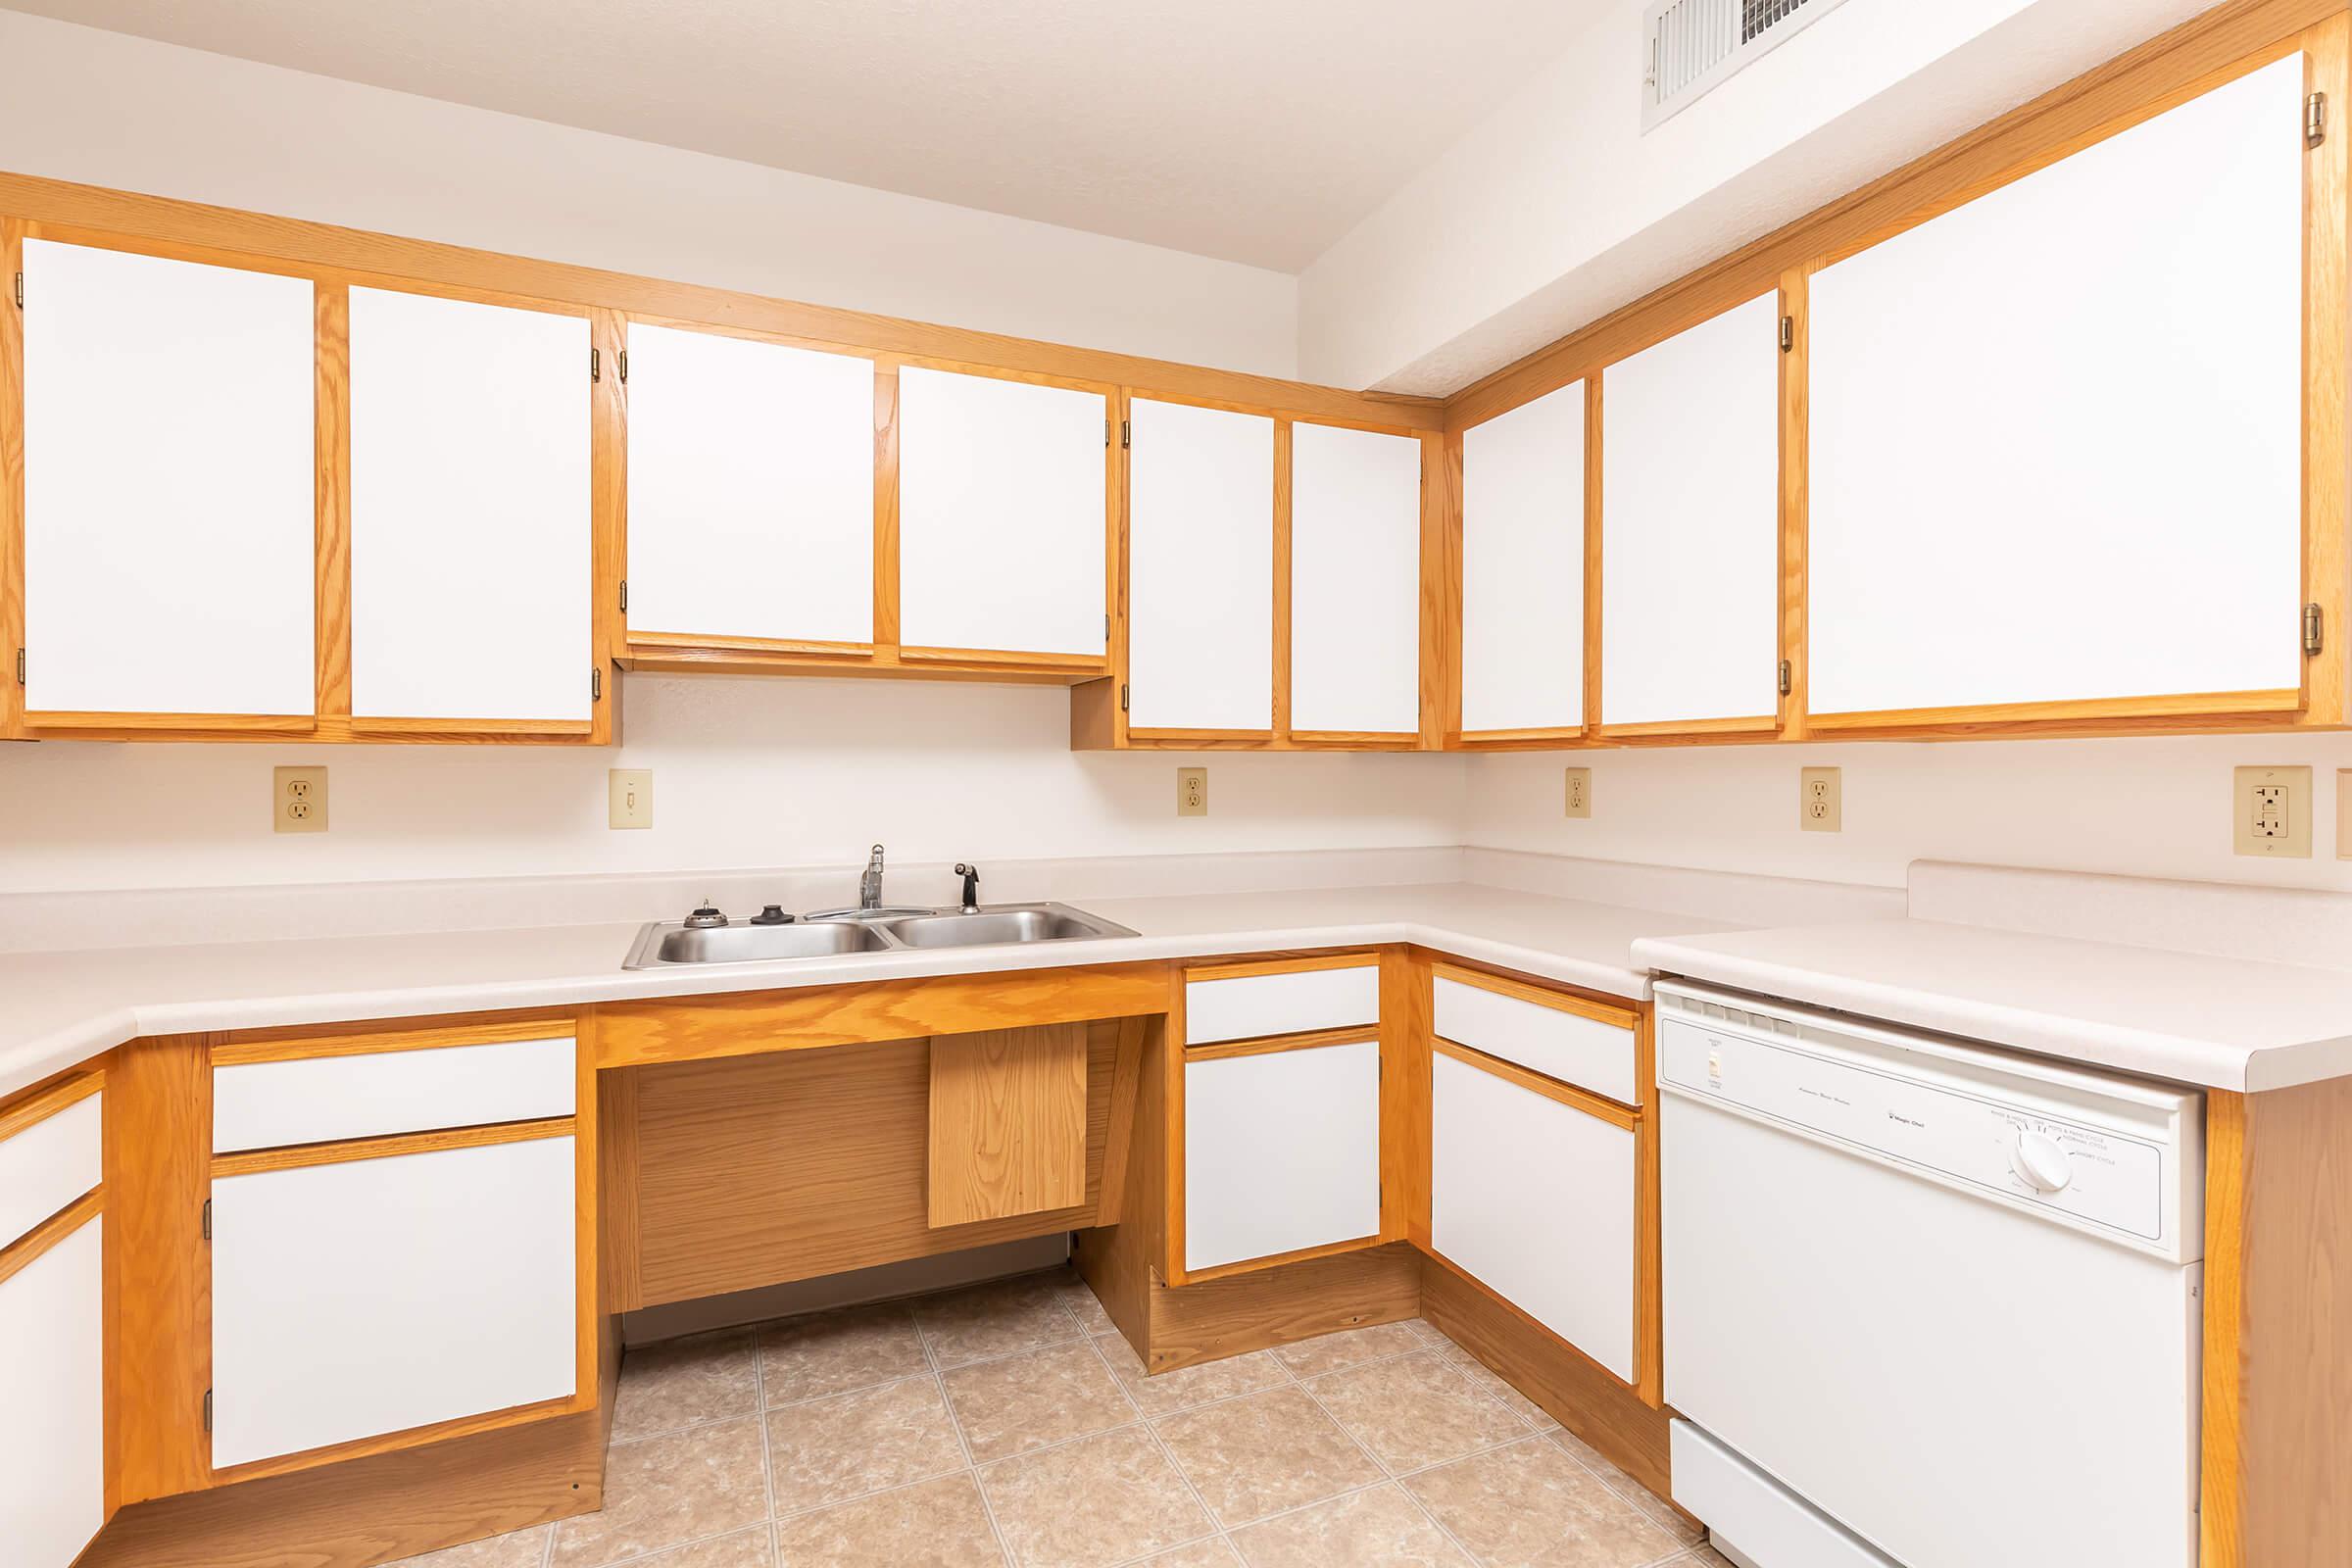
621	361
1122	697
596	685
1126	434
1106	432
2315	120
2315	628
20	667
208	1409
1787	682
596	365
208	1219
1107	626
625	594
1787	334
20	291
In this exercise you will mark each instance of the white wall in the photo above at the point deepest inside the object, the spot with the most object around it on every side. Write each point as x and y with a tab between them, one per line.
1555	209
2146	806
107	109
747	772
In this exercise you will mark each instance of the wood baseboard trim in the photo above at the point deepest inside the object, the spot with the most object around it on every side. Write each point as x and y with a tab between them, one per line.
1212	1319
1573	1388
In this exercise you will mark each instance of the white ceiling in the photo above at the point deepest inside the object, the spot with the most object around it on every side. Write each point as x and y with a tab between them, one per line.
1256	130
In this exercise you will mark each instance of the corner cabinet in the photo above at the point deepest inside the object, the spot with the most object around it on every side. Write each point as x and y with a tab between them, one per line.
54	1315
1525	513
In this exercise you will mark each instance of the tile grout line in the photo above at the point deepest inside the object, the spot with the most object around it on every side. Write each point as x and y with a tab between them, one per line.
1216	1525
1390	1475
767	1459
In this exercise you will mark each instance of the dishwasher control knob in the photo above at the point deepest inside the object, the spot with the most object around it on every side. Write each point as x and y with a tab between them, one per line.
2039	1162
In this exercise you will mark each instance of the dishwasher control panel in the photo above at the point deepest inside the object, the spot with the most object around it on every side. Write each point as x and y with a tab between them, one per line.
2104	1155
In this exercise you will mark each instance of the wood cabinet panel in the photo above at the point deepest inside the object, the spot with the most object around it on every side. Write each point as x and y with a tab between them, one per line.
1569	1046
1355	581
470	523
357	1299
1200	568
316	1100
168	500
1282	1001
1523	567
53	1401
1534	1200
1282	1153
1003	522
1690	480
2057	432
751	488
1008	1120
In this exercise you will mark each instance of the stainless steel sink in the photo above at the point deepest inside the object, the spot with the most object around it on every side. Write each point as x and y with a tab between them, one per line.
838	933
1006	923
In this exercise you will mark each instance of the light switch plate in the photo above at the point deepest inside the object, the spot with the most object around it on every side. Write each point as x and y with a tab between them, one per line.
1192	792
1580	792
1820	801
632	796
298	799
2270	812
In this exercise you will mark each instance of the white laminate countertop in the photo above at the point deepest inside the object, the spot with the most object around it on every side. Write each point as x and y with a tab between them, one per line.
57	1010
2221	1022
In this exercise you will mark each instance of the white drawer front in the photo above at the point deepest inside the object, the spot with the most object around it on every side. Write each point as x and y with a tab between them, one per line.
1281	1151
1567	1046
318	1099
53	1402
1535	1200
48	1166
1249	1005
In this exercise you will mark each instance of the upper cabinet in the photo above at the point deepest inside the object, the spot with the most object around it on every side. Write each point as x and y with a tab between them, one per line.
168	490
1689	529
750	491
1201	564
472	523
1003	518
1355	583
1524	510
2058	433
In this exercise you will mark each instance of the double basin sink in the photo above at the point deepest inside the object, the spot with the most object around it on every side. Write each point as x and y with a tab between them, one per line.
854	931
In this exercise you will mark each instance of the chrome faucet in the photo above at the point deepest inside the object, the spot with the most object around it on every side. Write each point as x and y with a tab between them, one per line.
869	884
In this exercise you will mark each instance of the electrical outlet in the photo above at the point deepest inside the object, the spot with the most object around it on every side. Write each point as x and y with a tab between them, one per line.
1580	792
1192	792
632	796
298	799
2344	813
1821	804
2270	812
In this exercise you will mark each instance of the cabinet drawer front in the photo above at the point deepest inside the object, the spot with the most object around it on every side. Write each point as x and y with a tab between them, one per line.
1536	1201
317	1099
1281	1151
53	1403
1246	1007
1567	1046
48	1166
377	1295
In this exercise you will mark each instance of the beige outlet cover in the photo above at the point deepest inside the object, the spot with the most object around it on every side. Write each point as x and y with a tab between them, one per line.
2270	812
1820	801
1192	792
1579	793
298	799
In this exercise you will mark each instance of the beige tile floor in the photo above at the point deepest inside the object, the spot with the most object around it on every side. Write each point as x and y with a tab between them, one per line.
1007	1424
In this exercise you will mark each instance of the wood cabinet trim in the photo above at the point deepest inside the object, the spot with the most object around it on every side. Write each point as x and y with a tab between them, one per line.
1302	1255
368	1039
1622	1118
1617	1016
1245	968
301	1156
44	1101
1272	1044
37	1242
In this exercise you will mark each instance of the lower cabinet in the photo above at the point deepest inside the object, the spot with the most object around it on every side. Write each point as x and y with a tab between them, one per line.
364	1296
1534	1197
1281	1151
53	1402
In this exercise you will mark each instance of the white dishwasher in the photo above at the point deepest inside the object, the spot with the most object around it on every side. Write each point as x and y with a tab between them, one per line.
1927	1303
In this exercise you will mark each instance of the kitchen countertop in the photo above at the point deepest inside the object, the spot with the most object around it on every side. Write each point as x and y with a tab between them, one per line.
57	1010
2218	1021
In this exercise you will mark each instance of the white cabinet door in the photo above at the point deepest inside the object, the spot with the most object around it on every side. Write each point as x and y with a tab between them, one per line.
2057	432
53	1402
751	488
1535	1200
1281	1151
169	499
471	530
1003	514
1523	567
1690	524
355	1299
1200	568
1355	581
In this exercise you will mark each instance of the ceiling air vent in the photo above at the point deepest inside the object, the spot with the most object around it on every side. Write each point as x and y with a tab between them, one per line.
1691	46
